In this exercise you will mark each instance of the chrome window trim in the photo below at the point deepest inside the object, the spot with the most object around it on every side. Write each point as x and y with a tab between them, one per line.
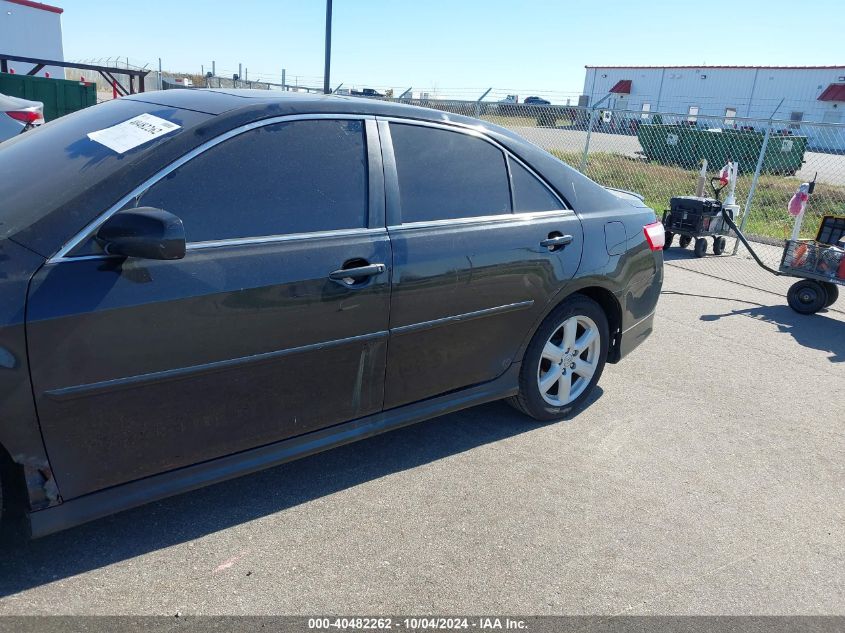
291	237
245	241
62	254
470	130
526	216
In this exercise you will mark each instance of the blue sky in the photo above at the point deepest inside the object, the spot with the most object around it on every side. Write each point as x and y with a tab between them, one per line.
455	47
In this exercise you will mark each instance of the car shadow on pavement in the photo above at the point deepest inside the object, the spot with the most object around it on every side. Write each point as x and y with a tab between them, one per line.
189	516
815	331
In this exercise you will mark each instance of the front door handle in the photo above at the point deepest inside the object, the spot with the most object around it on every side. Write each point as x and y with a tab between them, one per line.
557	241
359	272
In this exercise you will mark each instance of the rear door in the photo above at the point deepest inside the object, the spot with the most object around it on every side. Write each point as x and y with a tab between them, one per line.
471	273
141	366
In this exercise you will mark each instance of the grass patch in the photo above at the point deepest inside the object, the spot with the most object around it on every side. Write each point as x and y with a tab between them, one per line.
658	183
509	121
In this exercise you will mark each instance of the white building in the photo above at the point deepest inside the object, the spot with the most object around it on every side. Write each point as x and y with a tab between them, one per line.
809	93
31	29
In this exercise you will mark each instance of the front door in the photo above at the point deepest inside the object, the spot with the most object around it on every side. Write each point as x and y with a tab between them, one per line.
471	275
143	366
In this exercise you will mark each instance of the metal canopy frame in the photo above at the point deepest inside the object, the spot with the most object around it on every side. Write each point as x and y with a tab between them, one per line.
107	72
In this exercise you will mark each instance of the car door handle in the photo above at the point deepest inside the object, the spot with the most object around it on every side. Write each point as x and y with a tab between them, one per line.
559	241
359	272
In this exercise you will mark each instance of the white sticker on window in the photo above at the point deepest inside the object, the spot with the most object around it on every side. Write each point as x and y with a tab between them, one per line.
132	133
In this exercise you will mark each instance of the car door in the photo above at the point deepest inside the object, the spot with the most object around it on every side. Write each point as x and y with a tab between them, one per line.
473	267
142	366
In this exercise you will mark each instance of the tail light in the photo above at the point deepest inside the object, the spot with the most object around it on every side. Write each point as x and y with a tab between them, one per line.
655	235
25	116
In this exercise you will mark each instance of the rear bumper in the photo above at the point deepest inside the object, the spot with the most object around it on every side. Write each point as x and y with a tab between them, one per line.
630	339
640	305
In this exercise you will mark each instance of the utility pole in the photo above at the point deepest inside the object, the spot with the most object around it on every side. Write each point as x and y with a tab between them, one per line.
213	69
159	73
593	111
326	78
478	106
284	87
240	71
246	74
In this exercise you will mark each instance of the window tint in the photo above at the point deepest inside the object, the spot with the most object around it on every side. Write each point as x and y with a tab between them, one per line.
445	175
284	178
529	194
65	163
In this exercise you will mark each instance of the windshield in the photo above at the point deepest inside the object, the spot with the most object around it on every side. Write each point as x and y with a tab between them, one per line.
43	169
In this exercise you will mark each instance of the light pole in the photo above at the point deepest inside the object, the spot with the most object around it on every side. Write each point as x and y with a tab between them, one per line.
326	78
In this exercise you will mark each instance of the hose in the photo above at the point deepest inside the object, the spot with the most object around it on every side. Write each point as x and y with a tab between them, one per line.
742	239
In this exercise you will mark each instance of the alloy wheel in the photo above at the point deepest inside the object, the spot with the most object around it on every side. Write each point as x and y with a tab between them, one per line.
568	360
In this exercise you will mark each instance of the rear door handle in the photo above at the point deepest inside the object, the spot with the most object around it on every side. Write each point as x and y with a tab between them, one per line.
359	272
557	242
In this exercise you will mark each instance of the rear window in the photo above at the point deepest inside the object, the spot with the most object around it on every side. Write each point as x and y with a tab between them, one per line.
529	194
444	175
45	168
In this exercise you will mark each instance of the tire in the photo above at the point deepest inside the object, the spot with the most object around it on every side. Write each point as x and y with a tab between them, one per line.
669	238
832	291
807	296
548	346
700	247
719	244
684	241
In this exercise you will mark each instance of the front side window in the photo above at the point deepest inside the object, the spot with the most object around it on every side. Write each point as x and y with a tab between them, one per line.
446	175
529	194
284	178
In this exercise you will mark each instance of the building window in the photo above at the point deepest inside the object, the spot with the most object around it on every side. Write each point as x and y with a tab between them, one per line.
730	115
796	118
693	114
646	110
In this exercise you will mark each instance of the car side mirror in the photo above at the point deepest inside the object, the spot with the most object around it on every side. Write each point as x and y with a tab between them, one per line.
143	232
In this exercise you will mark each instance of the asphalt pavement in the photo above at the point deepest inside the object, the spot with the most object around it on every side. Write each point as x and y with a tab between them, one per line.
706	476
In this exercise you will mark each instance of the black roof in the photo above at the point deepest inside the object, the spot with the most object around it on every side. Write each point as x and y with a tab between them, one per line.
220	101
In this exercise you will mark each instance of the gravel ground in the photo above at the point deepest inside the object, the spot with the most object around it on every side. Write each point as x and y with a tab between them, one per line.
705	477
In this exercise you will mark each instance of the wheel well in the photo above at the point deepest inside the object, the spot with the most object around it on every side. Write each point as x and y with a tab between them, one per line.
613	311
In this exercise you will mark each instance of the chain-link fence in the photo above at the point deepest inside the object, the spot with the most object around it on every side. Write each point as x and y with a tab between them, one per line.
659	155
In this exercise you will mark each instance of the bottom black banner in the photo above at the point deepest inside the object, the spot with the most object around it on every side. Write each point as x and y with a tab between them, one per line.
422	623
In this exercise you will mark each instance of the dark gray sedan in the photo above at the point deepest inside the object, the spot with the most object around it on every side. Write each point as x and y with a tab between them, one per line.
207	283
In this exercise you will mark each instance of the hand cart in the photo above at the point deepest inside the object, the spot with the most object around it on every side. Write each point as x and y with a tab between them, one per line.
818	263
697	218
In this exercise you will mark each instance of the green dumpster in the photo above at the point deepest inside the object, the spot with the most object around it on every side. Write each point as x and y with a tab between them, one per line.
723	145
784	154
666	144
59	96
686	146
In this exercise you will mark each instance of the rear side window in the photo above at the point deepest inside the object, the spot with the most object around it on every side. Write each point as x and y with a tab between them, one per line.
284	178
445	175
529	194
